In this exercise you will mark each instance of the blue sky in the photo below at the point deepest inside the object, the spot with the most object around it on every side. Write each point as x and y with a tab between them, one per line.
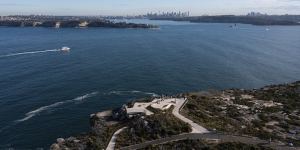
134	7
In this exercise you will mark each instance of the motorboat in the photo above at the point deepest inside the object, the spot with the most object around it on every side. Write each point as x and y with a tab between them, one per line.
65	49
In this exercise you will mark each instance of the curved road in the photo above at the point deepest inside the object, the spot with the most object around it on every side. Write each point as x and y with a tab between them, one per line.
212	136
198	132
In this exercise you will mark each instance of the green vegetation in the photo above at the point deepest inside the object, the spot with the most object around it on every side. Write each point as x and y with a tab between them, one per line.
97	138
238	100
202	145
154	110
269	112
288	95
159	125
73	23
100	140
203	110
254	20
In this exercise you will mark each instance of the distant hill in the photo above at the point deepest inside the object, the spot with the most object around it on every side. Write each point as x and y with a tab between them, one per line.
254	20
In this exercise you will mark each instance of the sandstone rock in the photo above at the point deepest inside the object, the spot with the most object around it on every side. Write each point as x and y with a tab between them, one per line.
55	147
60	140
70	139
76	141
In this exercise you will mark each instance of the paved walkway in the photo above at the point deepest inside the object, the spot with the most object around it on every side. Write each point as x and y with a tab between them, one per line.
195	127
198	132
112	142
177	102
162	103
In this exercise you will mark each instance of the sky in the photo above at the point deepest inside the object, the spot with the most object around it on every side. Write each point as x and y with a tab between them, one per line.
137	7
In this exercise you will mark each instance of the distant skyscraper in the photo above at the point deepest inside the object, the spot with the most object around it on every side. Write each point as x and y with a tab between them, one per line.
168	14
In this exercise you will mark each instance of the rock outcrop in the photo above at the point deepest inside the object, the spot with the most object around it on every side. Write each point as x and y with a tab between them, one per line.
95	139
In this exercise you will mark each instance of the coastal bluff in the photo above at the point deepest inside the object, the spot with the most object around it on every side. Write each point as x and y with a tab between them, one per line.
263	118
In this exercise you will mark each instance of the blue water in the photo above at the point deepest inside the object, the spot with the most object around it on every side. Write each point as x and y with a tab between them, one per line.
48	95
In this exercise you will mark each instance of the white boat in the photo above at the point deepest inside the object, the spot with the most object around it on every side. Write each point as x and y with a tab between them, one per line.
66	49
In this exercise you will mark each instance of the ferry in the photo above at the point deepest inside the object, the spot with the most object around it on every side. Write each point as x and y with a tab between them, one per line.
65	49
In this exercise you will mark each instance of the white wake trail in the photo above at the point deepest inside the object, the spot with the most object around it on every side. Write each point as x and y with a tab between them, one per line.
132	92
33	52
55	105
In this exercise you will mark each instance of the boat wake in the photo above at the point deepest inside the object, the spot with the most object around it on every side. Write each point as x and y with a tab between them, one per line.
55	105
33	52
131	92
4	128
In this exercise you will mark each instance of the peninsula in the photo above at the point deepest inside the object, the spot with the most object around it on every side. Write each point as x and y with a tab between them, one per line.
265	118
261	20
66	22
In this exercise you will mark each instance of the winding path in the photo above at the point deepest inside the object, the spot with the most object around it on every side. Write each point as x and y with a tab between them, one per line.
176	112
198	132
112	142
180	102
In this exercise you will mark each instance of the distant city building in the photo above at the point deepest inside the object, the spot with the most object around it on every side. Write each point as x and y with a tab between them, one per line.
256	14
168	14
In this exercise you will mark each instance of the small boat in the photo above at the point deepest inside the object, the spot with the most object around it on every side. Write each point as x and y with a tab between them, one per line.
65	49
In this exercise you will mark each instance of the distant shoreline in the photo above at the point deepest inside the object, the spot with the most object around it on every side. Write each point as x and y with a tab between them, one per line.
73	24
285	20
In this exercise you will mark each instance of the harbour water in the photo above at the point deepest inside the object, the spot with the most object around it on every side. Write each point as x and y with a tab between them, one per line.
50	94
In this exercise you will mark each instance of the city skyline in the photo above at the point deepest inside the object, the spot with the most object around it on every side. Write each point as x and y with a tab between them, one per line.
139	7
